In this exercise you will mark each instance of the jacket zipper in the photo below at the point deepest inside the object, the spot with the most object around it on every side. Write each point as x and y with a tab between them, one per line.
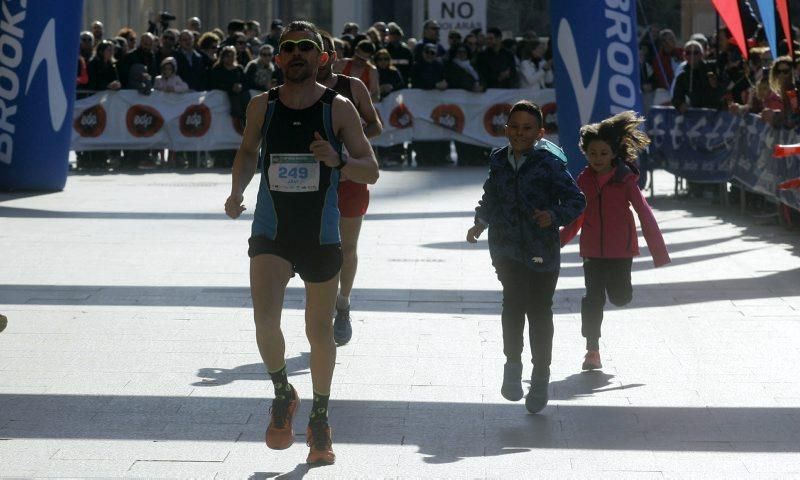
519	209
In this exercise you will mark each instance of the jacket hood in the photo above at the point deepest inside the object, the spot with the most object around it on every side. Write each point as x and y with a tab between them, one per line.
624	171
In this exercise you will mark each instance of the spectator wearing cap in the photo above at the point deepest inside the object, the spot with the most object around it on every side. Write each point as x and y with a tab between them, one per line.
430	35
496	65
351	28
192	65
697	85
193	24
86	48
402	57
97	31
274	35
252	30
235	27
261	73
361	67
428	74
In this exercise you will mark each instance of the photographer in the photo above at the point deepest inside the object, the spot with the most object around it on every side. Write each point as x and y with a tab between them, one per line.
164	19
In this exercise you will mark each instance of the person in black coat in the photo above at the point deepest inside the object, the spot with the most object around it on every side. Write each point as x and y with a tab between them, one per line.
192	65
227	75
496	65
102	68
138	68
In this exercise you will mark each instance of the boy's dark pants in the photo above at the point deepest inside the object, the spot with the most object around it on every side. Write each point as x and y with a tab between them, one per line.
526	291
603	276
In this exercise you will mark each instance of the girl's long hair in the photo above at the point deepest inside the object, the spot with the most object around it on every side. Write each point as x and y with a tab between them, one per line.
621	132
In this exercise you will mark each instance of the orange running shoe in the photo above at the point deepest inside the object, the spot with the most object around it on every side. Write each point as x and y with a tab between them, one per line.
280	434
318	437
592	360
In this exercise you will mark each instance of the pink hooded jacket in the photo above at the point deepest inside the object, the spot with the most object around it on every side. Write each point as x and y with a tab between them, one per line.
609	230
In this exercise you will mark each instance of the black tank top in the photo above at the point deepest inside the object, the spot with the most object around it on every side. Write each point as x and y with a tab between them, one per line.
308	216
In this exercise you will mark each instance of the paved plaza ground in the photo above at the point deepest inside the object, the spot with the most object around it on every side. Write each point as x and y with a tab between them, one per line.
130	347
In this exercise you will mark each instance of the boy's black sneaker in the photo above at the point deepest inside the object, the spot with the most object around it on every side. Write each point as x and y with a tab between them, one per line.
537	396
512	381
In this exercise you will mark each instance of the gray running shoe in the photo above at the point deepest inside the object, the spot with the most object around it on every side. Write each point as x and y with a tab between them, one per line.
512	381
537	396
342	328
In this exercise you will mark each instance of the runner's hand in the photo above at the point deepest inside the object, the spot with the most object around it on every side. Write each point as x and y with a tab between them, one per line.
323	151
542	218
233	205
474	232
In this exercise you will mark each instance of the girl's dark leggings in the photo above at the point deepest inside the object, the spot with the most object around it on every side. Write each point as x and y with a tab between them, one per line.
527	292
603	276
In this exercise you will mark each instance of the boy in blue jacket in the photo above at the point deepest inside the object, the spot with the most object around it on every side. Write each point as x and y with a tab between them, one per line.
529	194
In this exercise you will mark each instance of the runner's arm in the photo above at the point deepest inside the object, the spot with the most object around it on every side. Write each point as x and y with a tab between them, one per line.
246	161
374	87
366	109
361	164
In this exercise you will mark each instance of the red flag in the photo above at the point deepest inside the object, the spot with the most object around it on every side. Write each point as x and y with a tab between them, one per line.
783	10
729	11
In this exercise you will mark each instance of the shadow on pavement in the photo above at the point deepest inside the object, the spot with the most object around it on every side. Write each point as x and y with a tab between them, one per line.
212	377
444	432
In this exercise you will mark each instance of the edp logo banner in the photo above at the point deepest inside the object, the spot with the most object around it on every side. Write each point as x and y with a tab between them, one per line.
38	68
596	60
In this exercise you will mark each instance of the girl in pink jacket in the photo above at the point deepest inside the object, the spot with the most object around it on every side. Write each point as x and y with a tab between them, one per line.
608	239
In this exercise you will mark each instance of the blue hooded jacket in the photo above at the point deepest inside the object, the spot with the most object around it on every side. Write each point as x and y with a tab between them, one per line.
510	198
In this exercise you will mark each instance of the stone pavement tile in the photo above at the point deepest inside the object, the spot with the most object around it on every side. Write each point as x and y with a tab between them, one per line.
133	450
573	475
82	469
174	469
691	457
616	461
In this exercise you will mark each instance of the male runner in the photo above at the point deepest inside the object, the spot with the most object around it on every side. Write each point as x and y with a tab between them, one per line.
353	196
300	128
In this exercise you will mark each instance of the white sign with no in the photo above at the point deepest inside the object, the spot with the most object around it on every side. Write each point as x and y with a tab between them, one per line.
461	15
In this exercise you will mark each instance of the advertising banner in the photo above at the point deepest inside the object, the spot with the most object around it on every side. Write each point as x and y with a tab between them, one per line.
38	67
597	63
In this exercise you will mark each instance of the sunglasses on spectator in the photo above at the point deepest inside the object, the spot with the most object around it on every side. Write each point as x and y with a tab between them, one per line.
692	52
240	42
783	71
382	59
266	54
304	45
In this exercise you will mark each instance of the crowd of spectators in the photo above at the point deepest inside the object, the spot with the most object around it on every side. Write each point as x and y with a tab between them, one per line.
705	72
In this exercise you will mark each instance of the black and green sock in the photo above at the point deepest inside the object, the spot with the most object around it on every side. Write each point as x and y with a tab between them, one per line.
283	389
319	409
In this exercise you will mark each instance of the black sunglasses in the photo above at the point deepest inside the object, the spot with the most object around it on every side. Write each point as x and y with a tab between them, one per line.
783	71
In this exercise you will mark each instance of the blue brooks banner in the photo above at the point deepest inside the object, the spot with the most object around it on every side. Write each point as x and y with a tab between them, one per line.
596	60
38	70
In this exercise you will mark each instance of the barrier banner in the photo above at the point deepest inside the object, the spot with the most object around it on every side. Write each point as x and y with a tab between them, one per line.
476	118
715	146
597	63
39	53
201	121
698	145
194	121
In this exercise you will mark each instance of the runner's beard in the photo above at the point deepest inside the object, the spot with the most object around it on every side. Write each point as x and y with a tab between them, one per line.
296	74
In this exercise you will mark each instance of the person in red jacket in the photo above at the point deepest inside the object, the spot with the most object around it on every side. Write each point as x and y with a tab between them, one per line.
608	240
